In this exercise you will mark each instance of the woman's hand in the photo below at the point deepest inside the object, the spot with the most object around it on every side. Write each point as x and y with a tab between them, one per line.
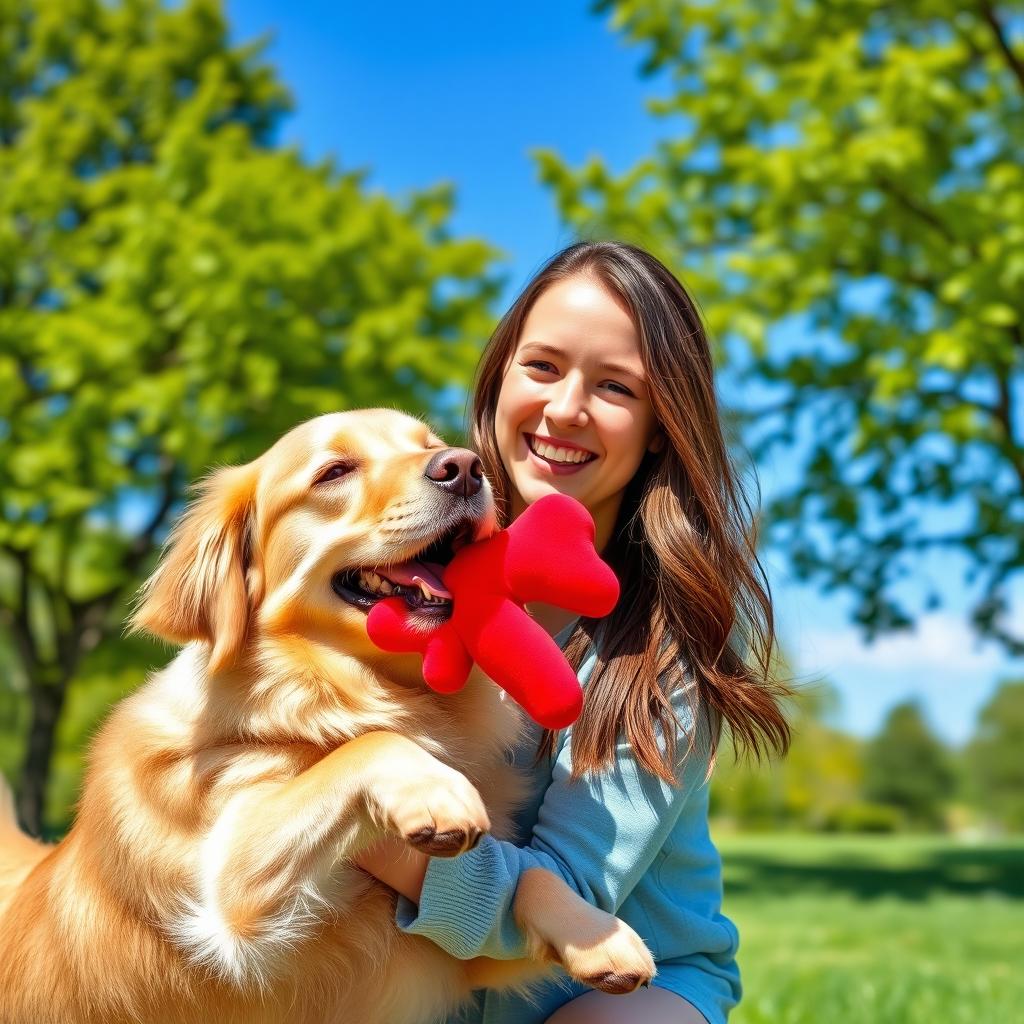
397	864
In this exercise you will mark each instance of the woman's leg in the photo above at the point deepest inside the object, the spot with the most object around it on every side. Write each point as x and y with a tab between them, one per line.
644	1006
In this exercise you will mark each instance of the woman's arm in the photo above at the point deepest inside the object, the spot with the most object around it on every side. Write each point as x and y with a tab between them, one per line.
396	863
600	833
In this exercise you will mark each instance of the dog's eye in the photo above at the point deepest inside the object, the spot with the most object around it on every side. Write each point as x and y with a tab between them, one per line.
334	471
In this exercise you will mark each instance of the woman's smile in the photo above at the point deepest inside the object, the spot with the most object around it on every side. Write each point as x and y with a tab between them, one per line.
552	455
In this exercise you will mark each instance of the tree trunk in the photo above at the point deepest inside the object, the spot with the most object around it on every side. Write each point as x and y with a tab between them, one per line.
47	703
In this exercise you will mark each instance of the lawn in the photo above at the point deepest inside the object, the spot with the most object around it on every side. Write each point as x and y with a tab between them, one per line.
907	930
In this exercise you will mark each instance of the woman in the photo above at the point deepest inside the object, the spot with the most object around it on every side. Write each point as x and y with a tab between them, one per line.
598	383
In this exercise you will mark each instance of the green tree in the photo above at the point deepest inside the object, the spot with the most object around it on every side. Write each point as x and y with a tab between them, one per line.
176	290
860	164
906	767
814	784
995	755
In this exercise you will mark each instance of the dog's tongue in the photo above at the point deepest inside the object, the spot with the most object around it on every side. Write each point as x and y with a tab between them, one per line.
414	572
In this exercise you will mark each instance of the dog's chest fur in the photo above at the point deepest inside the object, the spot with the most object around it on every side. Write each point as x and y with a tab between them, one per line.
150	781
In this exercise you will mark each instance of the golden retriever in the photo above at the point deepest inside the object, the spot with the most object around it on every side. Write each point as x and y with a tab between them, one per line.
208	875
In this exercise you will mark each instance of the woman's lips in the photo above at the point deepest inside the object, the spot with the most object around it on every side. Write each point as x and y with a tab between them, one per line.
554	468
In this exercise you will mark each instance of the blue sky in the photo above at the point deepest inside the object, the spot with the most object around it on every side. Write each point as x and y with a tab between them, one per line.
462	92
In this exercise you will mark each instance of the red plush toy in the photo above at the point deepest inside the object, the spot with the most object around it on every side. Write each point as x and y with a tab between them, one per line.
546	555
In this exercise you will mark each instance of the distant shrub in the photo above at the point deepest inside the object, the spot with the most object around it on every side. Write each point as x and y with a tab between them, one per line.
863	816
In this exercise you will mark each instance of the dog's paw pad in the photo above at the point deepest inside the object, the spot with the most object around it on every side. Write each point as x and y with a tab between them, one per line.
443	844
616	983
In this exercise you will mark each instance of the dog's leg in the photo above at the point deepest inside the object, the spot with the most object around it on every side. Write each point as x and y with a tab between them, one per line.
593	947
273	843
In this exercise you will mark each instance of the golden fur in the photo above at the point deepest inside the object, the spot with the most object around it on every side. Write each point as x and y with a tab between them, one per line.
208	876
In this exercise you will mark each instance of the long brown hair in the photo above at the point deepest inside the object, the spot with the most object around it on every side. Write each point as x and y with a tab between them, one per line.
694	594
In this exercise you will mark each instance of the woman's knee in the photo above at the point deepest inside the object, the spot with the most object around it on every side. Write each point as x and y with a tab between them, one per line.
645	1006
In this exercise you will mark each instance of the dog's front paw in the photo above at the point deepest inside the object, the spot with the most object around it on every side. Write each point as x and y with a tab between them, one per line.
614	959
438	811
619	964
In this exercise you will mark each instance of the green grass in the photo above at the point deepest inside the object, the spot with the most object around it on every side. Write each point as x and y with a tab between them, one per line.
904	930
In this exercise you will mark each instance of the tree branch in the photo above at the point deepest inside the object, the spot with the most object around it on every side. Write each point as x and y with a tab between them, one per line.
1004	416
18	619
992	19
144	542
88	616
918	210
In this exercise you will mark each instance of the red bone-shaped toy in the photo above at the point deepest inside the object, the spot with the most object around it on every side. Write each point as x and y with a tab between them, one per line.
546	555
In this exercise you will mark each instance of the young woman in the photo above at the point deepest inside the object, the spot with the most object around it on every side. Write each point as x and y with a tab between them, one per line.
598	383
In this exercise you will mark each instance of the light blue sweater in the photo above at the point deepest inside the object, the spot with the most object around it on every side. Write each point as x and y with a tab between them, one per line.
628	843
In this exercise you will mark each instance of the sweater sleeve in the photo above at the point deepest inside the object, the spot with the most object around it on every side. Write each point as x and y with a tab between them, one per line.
600	833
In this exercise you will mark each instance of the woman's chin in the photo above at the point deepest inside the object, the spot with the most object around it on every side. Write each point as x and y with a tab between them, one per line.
533	489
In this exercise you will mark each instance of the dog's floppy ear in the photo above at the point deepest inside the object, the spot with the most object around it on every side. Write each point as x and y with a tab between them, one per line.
199	590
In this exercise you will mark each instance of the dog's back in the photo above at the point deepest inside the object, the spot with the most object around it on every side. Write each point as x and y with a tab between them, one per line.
18	853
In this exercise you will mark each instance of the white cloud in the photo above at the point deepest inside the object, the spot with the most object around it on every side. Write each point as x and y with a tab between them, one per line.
941	642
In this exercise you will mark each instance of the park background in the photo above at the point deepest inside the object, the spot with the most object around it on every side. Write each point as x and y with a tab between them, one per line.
205	238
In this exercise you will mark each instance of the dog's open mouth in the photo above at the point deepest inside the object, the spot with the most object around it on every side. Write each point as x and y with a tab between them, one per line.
419	581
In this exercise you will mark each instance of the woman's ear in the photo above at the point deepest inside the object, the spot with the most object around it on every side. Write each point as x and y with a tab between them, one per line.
658	443
199	590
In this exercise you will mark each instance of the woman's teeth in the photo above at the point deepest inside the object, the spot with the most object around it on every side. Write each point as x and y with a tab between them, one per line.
553	454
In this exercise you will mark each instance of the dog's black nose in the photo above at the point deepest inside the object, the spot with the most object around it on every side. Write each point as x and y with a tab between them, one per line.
457	470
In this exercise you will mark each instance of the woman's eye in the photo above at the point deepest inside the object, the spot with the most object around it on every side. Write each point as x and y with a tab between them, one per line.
540	364
335	472
620	389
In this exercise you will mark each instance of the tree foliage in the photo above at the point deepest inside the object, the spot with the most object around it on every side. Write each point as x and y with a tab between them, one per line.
857	168
811	788
995	756
905	766
176	290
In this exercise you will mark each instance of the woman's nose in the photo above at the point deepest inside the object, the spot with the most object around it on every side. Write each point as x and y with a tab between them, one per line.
568	403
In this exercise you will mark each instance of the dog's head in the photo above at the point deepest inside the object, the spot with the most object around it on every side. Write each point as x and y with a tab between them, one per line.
343	511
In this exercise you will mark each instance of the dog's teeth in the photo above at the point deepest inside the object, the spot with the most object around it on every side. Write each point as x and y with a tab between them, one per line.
370	581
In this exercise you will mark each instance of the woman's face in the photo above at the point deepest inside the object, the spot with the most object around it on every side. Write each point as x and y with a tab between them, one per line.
573	413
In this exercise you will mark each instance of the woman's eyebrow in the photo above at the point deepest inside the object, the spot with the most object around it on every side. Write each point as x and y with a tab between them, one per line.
541	346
